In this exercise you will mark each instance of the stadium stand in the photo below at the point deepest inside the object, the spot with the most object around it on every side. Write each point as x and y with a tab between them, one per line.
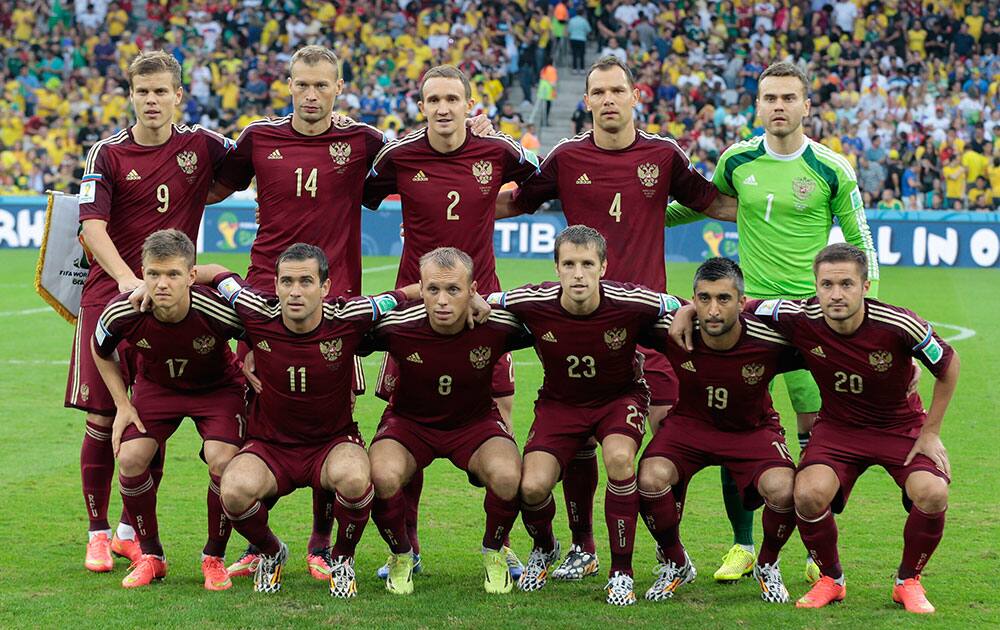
908	90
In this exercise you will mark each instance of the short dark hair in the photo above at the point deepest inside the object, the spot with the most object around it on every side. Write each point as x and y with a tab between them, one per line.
154	62
301	252
448	258
786	69
582	236
719	269
842	252
446	72
164	244
606	63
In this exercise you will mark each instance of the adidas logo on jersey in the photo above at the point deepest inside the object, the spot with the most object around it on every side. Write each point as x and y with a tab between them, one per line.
750	180
549	337
263	345
132	176
415	358
143	343
689	366
818	351
420	177
275	155
583	179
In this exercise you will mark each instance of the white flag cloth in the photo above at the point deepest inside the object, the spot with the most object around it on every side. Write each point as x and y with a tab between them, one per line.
62	262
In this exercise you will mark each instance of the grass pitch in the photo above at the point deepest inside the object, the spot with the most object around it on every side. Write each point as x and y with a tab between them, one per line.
42	525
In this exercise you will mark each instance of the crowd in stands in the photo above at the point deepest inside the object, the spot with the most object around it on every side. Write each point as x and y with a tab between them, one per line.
908	90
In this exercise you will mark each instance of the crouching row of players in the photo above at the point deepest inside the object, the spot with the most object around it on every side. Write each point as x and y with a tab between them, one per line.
585	331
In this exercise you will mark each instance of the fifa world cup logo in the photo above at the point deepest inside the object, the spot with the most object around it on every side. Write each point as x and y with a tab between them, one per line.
713	236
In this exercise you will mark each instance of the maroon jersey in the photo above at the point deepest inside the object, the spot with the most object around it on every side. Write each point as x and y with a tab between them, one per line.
190	355
309	190
140	189
445	380
728	389
623	195
306	378
449	199
589	360
862	377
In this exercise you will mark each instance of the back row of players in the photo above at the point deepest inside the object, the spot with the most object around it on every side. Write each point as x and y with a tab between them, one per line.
447	178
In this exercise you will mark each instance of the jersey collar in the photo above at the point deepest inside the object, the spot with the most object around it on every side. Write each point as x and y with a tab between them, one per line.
789	156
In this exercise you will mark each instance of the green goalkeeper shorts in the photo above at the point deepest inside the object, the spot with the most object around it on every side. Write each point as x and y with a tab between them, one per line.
803	391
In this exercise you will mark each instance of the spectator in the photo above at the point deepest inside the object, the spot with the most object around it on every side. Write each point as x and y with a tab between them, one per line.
578	30
954	190
889	201
615	50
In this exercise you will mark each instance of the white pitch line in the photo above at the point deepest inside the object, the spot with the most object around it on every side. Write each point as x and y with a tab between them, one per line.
377	269
33	362
28	311
963	333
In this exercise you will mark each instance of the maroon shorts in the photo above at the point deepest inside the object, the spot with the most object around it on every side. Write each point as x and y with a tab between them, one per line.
660	378
693	444
300	465
503	377
85	388
358	383
849	451
427	443
219	414
561	429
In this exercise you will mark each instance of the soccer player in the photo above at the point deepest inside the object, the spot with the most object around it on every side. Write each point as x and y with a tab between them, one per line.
448	180
789	188
150	176
723	417
585	332
618	180
187	370
443	409
306	342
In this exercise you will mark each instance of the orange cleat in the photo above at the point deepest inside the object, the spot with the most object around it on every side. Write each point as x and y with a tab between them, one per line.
912	596
147	569
823	592
126	548
320	563
99	558
242	566
216	576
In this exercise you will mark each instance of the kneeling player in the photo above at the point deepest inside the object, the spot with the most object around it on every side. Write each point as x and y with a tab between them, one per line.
187	370
444	409
725	418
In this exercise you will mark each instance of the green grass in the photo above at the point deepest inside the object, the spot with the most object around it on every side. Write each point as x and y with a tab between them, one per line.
42	524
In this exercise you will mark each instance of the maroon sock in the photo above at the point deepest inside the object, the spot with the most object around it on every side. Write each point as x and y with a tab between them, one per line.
537	520
219	527
500	517
579	488
323	515
621	510
139	497
660	512
412	492
819	535
390	519
778	526
156	471
352	516
921	536
97	468
252	525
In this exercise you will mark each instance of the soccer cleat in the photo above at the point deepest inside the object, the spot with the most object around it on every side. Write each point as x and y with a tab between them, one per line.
536	572
823	592
242	567
418	567
98	558
812	571
497	580
912	596
343	583
216	576
400	577
620	589
320	561
671	577
513	563
737	563
144	571
772	587
126	548
577	565
267	570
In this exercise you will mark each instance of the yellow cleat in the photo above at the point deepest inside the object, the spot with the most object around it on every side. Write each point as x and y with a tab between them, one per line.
400	578
498	580
737	562
812	571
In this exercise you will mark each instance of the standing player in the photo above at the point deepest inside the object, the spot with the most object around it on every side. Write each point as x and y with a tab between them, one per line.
723	417
443	408
790	188
586	332
618	180
151	176
306	343
187	370
448	180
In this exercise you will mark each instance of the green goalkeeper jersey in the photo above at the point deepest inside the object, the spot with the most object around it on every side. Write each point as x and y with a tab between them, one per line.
786	209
